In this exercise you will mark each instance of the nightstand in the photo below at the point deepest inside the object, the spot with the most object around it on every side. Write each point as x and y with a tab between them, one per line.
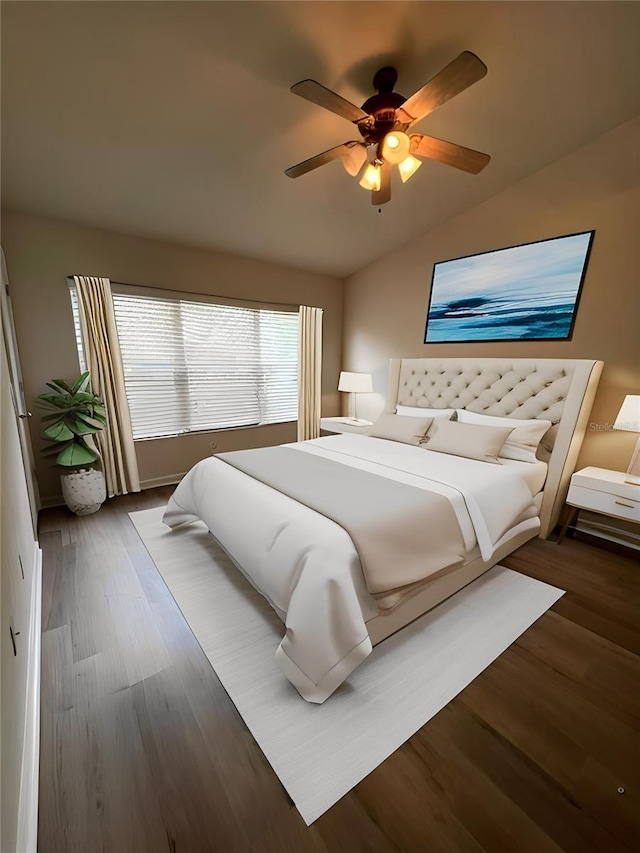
603	491
344	425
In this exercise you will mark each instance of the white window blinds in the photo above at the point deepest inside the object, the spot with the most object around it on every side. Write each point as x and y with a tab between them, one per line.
198	365
76	326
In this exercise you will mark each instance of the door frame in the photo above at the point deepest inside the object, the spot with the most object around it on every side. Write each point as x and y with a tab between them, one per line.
22	414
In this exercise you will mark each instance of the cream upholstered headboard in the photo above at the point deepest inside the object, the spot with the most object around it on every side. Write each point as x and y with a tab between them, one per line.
559	390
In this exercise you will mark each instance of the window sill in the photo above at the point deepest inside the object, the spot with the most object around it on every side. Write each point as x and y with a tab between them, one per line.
212	431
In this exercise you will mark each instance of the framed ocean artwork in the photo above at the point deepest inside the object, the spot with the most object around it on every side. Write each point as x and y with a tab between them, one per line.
527	292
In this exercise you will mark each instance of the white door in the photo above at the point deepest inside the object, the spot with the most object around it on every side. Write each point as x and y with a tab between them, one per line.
16	389
20	606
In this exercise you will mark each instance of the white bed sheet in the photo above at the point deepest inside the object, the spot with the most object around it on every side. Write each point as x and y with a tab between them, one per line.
470	485
306	565
533	473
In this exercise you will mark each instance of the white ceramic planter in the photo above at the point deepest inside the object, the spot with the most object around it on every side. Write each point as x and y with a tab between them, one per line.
84	490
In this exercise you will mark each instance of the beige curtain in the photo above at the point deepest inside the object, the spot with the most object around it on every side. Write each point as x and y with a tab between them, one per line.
104	361
309	373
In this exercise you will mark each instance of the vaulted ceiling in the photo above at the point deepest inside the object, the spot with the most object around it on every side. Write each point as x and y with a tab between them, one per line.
174	120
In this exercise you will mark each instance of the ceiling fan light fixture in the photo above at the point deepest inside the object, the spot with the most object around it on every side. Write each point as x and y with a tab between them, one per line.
395	147
384	122
371	178
409	166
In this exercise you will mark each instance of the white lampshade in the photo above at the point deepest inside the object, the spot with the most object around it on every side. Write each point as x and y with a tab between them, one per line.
629	414
629	419
355	382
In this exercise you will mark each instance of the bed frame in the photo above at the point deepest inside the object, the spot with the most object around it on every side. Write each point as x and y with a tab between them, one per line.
559	390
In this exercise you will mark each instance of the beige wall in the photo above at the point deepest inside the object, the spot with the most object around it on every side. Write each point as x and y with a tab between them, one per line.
41	252
596	187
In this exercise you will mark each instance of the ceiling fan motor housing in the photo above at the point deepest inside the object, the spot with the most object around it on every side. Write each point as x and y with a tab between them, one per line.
384	121
382	107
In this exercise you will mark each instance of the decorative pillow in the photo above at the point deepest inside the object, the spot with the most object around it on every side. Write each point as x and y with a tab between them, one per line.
395	428
469	440
549	438
420	412
523	442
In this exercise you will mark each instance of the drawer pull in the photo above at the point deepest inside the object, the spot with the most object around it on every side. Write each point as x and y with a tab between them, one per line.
620	503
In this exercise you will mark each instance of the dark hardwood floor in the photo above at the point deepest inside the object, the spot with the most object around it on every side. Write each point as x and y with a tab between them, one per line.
142	751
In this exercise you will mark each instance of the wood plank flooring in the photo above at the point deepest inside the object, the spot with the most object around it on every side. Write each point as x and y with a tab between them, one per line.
142	751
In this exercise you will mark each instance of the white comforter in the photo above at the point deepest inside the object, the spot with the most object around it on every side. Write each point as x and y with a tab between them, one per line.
306	565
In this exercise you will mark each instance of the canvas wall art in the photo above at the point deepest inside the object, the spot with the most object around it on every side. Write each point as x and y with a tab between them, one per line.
527	292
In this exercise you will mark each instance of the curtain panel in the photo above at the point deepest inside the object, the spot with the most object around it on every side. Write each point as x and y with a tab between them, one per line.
309	373
104	361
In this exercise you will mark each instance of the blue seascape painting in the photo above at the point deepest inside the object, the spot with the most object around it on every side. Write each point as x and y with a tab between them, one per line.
527	292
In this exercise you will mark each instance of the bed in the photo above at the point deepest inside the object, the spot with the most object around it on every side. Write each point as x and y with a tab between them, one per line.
351	537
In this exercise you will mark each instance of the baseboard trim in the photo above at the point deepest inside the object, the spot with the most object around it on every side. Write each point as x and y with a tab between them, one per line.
153	483
167	480
27	836
48	503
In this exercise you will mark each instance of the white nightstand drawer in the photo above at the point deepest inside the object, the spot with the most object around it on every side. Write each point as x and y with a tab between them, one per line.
603	480
618	506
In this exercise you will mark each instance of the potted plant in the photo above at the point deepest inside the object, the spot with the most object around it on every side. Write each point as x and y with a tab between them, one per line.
74	415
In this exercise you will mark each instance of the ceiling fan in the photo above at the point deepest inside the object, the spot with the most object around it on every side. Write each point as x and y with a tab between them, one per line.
383	122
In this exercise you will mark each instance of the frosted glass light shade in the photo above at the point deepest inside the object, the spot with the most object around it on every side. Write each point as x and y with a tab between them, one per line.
395	146
409	166
355	382
371	178
629	414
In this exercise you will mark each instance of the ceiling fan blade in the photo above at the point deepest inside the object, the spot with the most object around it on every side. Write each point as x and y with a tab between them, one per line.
448	152
323	97
319	160
463	72
354	157
383	195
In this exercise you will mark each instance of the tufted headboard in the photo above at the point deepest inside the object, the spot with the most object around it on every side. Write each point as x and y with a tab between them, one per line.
559	390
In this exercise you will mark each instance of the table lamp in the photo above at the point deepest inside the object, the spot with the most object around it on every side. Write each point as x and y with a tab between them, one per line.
629	419
355	383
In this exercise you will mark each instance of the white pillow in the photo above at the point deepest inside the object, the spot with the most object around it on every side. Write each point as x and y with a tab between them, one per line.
469	440
394	428
523	442
420	412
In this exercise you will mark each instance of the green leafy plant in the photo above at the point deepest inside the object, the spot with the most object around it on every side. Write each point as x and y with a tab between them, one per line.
74	414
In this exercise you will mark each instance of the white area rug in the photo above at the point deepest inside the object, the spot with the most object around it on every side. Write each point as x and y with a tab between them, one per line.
320	752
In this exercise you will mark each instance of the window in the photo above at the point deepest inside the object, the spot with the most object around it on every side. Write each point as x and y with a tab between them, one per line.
192	366
76	325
